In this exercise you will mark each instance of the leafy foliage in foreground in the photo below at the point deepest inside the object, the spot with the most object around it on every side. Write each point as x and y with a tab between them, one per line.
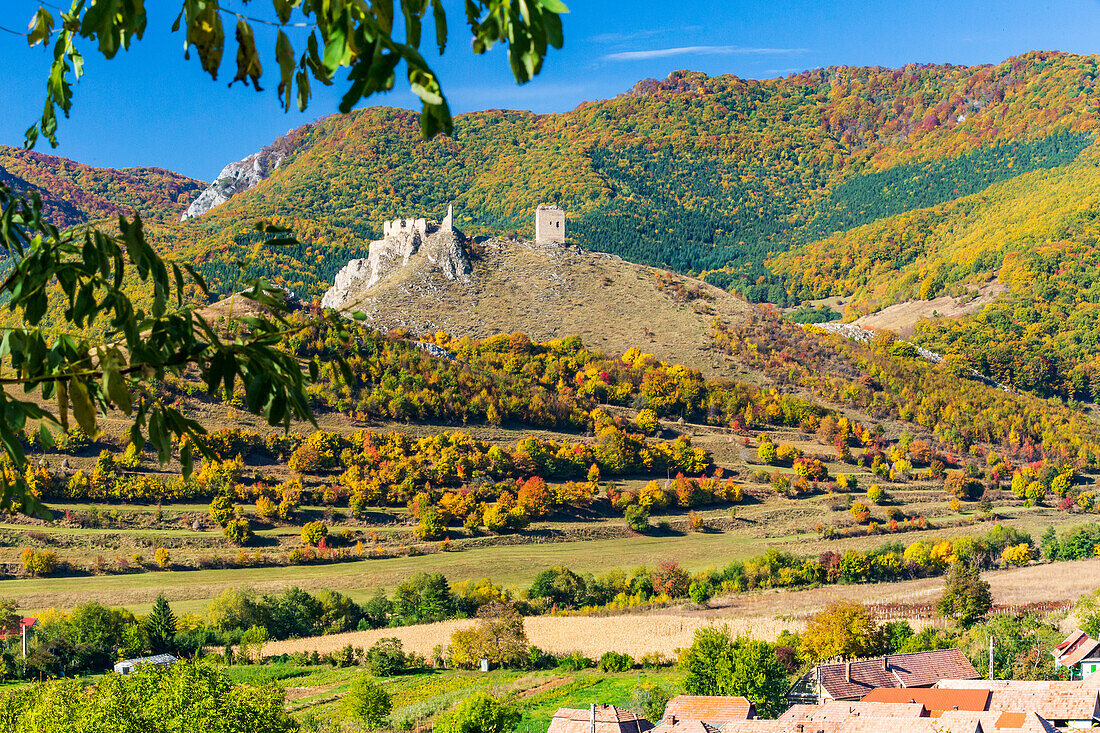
186	696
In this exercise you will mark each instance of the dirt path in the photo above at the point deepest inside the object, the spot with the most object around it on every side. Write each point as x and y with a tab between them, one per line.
902	317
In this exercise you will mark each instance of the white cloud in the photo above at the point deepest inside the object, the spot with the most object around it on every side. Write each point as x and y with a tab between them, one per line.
660	53
613	38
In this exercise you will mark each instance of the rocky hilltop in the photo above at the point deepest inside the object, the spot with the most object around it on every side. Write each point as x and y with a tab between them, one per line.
438	251
484	286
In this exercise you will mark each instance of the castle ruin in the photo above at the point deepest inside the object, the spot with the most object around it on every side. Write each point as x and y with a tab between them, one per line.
395	227
405	226
550	224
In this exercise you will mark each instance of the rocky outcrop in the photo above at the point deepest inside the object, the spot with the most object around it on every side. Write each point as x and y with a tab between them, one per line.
244	174
234	178
439	252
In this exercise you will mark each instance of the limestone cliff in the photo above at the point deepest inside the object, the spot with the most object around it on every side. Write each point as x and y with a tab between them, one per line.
437	253
244	174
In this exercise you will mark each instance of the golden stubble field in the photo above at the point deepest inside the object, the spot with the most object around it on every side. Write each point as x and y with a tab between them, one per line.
761	615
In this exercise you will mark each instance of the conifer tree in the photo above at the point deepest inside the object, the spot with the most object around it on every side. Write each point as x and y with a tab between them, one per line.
161	625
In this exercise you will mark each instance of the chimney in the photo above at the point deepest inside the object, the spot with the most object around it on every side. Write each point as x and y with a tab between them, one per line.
847	671
885	664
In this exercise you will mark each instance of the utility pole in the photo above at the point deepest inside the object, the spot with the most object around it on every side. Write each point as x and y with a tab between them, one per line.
991	656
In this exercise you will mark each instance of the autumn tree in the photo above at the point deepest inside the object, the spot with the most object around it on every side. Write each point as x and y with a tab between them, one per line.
966	597
842	629
715	664
499	637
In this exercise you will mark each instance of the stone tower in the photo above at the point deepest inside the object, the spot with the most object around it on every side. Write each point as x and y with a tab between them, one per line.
550	224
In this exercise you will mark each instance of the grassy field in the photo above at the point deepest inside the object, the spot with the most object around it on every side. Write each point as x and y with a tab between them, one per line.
316	692
759	614
511	565
122	539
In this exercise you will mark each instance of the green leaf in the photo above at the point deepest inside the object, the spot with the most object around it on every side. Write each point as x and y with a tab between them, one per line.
83	408
440	25
248	60
554	6
40	28
284	56
115	387
45	437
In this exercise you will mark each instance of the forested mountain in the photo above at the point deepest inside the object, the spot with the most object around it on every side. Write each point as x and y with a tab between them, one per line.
72	192
878	184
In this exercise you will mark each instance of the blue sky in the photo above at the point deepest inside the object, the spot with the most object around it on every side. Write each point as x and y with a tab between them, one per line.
151	107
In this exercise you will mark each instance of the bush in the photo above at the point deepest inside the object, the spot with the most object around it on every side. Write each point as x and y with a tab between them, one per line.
222	510
647	421
162	557
767	452
385	658
700	591
637	518
239	532
670	579
479	713
305	459
876	494
431	525
860	512
367	702
962	487
39	562
314	532
575	662
651	699
495	518
1017	554
615	662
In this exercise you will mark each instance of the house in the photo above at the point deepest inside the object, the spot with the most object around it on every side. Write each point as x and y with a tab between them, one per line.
598	719
1065	707
850	710
850	681
1080	653
1065	703
714	711
859	724
994	722
126	666
935	700
20	628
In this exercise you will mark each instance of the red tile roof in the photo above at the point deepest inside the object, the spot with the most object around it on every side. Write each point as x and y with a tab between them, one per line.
686	726
849	710
713	710
934	699
923	669
1069	641
853	680
1054	703
609	719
